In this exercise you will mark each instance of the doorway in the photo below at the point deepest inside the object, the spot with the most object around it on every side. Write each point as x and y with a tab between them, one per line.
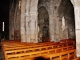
43	23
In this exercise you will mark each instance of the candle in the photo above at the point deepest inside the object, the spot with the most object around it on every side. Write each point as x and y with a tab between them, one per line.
2	26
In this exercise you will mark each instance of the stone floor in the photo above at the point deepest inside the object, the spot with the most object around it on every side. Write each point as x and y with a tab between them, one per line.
1	55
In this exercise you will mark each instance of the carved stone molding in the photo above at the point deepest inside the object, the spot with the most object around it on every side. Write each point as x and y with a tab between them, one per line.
76	2
72	2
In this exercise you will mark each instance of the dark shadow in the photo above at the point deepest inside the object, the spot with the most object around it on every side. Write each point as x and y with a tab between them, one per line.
40	58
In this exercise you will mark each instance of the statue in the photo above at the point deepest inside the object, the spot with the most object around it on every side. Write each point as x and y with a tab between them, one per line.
63	24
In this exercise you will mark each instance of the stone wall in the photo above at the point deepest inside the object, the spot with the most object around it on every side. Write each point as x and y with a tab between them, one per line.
57	10
14	20
27	26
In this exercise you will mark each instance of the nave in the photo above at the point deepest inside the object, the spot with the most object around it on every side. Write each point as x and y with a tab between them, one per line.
48	16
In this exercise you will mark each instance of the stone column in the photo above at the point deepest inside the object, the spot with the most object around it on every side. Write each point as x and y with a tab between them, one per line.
32	31
23	5
54	20
27	20
76	4
77	29
36	22
33	28
57	28
27	31
33	21
56	25
51	28
51	22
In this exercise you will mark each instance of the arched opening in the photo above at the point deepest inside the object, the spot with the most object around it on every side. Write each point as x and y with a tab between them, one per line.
66	10
43	23
45	33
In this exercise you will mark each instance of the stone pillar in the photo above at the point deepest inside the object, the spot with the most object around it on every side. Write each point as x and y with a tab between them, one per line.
33	28
54	20
27	31
77	29
51	28
33	21
76	4
32	31
27	20
23	5
51	22
56	25
57	28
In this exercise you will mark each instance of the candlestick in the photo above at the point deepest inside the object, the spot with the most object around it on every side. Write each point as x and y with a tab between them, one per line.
2	26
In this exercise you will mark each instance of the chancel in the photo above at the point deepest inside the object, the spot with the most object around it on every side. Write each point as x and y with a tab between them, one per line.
44	29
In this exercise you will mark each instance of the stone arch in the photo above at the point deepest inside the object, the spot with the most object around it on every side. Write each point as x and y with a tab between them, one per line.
50	12
43	21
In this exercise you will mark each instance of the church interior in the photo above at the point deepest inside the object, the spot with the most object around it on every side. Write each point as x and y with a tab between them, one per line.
40	30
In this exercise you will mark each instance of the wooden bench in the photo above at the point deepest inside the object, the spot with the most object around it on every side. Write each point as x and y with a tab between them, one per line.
34	50
45	54
77	58
19	44
68	41
40	49
10	43
23	47
65	55
27	47
12	50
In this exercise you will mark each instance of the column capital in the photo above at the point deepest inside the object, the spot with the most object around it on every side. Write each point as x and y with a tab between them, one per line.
76	2
72	2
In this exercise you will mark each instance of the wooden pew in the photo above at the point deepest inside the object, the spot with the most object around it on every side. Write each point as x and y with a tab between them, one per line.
17	44
61	55
68	41
39	49
27	47
43	47
45	43
77	58
31	51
